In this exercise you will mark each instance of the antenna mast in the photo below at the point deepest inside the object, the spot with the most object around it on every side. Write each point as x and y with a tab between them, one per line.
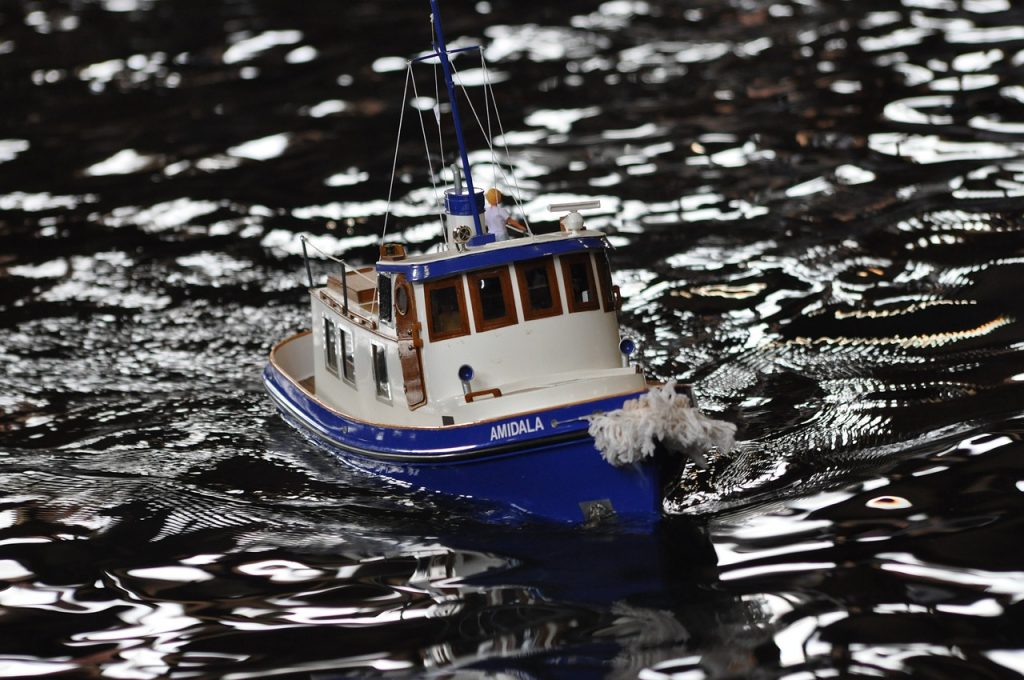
442	53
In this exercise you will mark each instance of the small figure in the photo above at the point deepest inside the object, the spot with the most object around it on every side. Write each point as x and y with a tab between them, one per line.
497	217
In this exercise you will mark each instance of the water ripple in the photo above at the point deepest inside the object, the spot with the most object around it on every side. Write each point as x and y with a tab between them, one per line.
815	220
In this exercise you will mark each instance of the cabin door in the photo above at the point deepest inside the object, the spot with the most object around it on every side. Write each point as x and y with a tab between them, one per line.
409	343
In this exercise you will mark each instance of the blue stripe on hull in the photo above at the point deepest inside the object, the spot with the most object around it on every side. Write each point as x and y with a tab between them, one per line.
548	472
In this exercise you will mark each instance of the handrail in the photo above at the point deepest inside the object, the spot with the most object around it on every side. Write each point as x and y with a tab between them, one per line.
494	392
345	266
352	314
346	270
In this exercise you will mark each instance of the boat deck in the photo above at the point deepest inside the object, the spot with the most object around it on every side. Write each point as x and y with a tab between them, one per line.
360	286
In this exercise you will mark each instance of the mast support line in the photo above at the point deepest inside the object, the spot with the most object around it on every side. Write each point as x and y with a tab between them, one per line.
441	51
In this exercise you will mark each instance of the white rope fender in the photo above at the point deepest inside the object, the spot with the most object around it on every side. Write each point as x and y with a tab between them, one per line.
631	433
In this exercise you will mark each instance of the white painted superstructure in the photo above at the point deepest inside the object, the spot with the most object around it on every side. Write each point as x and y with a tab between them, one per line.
569	354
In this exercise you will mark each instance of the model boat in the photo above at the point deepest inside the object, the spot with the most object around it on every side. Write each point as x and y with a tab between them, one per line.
475	371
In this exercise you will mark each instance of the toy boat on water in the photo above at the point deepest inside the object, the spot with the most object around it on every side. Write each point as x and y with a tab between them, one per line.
475	371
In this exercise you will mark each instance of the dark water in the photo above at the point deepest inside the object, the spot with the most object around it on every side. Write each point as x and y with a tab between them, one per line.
817	211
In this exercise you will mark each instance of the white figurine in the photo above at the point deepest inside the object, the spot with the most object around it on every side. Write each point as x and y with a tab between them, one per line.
497	217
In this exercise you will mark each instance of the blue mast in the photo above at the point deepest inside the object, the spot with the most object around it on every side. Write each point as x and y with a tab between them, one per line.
442	53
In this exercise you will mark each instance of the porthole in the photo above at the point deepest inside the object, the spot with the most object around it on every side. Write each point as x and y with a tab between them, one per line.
402	298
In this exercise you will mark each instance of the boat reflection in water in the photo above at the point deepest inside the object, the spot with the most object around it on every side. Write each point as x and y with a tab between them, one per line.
536	603
600	604
332	600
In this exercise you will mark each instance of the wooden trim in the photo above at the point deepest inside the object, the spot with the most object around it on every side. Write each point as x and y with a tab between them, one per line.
353	320
359	319
460	291
402	284
471	396
567	262
392	251
529	313
282	343
360	284
510	317
407	328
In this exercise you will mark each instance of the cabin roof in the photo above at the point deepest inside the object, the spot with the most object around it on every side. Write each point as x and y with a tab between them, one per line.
437	265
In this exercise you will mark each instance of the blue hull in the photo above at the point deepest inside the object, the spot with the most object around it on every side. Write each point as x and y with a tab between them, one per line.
542	463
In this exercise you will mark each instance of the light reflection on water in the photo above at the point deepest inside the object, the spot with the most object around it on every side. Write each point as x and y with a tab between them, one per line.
814	212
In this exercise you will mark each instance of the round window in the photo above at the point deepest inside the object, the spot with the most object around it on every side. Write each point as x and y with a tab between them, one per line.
402	298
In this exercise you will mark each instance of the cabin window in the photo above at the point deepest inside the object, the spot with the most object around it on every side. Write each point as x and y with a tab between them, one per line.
384	299
348	355
538	288
330	347
604	277
493	305
579	282
446	308
380	372
403	297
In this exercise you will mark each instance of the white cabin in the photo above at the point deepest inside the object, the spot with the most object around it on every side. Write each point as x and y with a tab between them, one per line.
534	319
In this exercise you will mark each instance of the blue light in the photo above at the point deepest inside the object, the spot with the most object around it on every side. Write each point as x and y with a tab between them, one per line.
627	346
465	372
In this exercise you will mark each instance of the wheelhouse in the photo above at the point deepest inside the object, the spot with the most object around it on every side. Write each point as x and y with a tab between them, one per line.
521	317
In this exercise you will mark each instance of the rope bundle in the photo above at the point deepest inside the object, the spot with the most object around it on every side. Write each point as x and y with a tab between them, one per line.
631	433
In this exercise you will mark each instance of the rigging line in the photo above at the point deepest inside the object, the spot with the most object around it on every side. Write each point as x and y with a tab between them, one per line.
394	162
349	268
437	116
487	110
326	255
440	137
508	154
394	166
490	144
471	107
430	165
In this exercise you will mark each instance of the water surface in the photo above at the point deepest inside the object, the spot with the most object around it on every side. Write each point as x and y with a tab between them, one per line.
816	208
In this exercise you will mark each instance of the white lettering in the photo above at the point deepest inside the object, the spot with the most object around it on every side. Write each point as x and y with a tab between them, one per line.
515	428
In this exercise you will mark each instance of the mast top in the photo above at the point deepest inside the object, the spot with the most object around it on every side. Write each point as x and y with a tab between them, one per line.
441	51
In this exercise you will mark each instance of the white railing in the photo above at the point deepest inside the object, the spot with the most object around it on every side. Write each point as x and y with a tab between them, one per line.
344	268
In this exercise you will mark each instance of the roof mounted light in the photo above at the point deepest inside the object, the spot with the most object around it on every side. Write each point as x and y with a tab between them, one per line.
578	205
573	221
465	376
